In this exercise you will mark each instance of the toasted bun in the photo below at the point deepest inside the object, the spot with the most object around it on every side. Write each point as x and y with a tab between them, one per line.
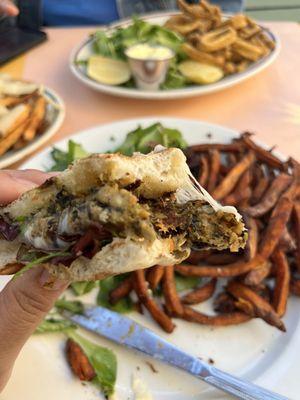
162	171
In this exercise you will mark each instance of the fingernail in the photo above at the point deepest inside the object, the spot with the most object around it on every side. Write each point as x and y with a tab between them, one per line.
48	281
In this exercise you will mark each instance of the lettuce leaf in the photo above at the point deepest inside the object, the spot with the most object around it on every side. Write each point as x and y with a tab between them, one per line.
105	286
103	361
52	325
83	287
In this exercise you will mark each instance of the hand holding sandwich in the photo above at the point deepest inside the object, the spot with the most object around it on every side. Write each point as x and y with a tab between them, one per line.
26	300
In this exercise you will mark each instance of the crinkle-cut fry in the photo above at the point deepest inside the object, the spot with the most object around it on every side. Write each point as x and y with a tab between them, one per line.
247	50
195	11
172	299
203	171
250	302
79	361
184	27
249	31
242	66
215	163
231	179
253	237
256	40
229	147
121	291
8	142
229	68
36	118
296	220
220	271
282	282
217	39
271	196
295	287
200	294
256	276
201	56
238	21
154	276
233	318
261	153
141	289
266	39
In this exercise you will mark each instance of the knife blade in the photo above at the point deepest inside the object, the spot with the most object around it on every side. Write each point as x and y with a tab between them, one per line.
125	331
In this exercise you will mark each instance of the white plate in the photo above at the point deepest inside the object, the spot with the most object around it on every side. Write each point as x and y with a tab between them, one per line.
84	50
253	350
55	115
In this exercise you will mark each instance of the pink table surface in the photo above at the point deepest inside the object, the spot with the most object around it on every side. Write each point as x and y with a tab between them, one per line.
268	104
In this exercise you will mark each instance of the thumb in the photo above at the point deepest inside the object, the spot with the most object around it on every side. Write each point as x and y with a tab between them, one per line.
8	8
23	304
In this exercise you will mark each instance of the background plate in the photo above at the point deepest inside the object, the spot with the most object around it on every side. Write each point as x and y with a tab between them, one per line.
83	51
55	115
254	350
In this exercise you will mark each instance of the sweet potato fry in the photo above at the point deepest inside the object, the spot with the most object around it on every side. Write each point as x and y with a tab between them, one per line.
221	258
286	241
220	271
7	142
231	179
262	154
215	162
255	305
295	287
256	276
200	294
11	269
296	220
172	300
234	318
253	237
154	276
282	282
121	291
79	362
141	289
277	187
279	218
230	147
197	256
36	118
259	190
224	303
203	171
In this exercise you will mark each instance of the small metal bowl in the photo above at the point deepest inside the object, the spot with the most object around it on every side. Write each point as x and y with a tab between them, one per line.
149	73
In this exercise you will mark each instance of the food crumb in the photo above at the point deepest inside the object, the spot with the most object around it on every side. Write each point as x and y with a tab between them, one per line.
209	135
138	367
152	367
112	139
211	361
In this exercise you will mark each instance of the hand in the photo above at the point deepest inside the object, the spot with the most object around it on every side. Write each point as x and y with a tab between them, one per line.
8	8
26	300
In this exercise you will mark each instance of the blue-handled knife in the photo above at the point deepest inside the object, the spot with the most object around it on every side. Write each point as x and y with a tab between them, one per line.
125	331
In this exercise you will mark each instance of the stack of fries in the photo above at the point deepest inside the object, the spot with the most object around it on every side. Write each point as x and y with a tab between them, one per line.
22	113
256	282
231	44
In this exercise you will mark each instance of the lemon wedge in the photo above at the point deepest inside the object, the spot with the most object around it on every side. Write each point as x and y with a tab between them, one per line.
107	70
200	73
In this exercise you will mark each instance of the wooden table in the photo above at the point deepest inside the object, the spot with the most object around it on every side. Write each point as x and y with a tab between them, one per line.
268	103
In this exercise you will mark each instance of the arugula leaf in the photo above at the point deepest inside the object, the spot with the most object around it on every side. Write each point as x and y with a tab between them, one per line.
54	325
174	78
103	361
74	306
62	159
38	261
185	283
144	139
81	288
106	285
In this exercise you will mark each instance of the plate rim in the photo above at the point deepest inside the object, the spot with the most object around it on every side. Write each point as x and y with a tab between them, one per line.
49	132
193	91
